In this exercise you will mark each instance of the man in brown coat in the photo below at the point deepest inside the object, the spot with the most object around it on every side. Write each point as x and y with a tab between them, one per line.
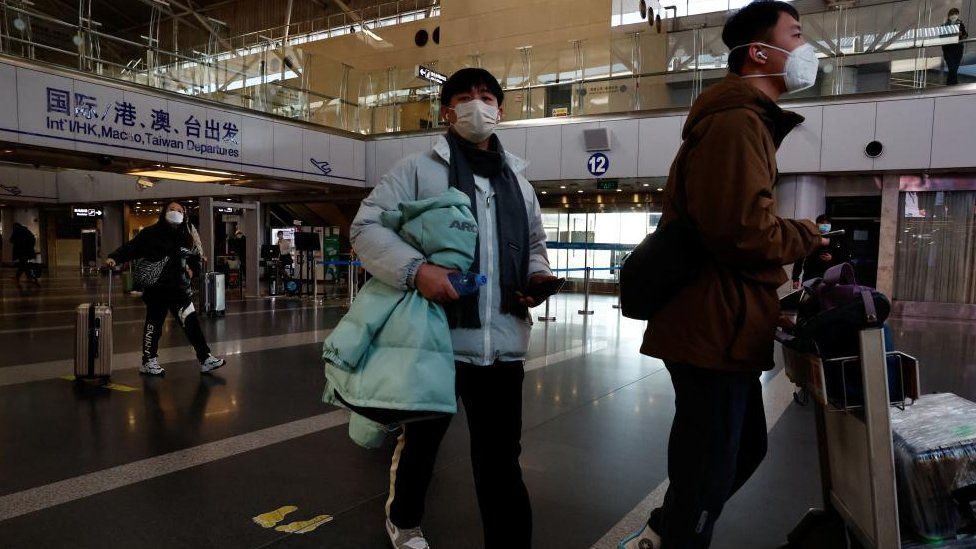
716	334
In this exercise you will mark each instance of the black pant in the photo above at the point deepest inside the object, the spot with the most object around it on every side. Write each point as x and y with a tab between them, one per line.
953	57
492	399
181	306
718	439
24	267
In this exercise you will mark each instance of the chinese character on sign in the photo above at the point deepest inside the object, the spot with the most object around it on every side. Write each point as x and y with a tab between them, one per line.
192	127
126	113
58	101
160	121
230	132
213	130
85	106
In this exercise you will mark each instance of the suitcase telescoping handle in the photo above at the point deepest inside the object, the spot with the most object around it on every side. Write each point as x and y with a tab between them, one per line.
111	271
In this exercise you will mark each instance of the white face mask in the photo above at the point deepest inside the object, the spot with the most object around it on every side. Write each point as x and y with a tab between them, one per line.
953	18
800	70
476	120
174	217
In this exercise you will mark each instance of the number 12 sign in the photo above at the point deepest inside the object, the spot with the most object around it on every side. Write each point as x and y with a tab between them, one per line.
598	164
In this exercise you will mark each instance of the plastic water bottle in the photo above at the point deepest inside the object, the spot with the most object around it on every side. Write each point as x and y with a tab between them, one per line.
467	283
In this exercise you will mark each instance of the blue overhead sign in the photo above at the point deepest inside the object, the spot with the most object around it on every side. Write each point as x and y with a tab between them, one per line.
91	115
598	164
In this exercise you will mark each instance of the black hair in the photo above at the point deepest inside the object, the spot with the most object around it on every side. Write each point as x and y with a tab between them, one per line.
753	23
953	11
823	218
184	227
471	77
165	208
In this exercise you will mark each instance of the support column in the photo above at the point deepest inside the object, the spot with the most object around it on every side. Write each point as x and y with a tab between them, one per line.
888	238
7	217
112	232
801	196
254	232
206	229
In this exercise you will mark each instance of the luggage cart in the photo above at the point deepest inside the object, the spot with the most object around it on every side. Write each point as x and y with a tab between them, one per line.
857	465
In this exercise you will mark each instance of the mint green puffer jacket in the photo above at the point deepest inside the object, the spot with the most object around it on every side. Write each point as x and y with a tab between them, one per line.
392	350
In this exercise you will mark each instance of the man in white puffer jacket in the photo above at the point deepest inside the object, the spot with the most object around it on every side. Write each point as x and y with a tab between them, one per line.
489	330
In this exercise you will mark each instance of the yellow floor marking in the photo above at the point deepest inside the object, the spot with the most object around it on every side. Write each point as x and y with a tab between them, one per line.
304	526
113	386
269	519
120	387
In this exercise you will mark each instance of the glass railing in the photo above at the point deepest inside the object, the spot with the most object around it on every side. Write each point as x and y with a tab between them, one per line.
884	47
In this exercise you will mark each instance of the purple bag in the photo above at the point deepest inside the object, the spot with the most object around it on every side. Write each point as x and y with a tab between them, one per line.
835	308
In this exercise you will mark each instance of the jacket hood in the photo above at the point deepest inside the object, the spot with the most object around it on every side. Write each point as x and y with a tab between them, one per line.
443	150
734	93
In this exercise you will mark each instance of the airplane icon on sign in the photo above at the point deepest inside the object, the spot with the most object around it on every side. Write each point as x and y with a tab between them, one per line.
323	166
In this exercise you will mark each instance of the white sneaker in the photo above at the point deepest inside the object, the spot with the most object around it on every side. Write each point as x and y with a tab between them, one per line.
406	539
211	364
151	367
645	538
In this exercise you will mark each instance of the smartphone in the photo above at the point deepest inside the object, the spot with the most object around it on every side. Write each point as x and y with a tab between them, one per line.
544	290
838	232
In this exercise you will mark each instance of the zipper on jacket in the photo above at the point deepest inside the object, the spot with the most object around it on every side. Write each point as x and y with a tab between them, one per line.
489	242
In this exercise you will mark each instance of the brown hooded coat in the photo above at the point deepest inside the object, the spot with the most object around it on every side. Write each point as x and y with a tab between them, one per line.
723	176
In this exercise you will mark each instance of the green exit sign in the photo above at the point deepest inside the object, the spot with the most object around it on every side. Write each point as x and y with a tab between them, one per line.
607	185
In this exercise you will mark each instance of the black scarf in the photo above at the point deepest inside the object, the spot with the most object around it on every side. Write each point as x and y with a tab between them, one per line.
512	227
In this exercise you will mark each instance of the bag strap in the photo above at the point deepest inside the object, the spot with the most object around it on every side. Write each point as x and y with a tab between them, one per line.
870	313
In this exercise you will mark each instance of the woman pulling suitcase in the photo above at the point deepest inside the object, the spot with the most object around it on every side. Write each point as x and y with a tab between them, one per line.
165	256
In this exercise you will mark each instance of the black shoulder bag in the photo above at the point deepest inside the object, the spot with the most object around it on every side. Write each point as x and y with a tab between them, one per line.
666	261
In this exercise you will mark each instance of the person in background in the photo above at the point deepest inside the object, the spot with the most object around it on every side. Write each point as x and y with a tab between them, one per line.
489	329
23	242
284	245
716	334
824	258
171	250
285	261
238	245
953	52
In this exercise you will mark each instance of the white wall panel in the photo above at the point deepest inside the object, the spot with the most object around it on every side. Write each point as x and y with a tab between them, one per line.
8	115
574	155
659	140
257	145
543	150
954	132
846	131
800	151
359	162
342	154
288	151
905	130
371	176
623	148
513	140
388	153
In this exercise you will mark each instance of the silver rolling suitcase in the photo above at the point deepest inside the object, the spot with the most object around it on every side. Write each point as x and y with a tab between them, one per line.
93	339
214	294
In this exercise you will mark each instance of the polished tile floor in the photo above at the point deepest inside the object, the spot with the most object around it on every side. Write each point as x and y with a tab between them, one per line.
189	460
